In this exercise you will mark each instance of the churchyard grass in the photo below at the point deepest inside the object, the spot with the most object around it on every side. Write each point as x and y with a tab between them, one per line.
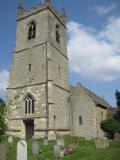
85	151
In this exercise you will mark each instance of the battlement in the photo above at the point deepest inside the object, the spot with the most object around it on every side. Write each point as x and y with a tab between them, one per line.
39	8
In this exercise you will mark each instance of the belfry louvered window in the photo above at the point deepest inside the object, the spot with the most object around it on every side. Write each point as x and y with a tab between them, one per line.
32	30
58	33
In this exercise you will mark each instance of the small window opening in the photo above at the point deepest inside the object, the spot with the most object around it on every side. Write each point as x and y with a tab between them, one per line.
25	107
33	110
58	33
29	106
59	70
80	120
54	117
57	37
29	67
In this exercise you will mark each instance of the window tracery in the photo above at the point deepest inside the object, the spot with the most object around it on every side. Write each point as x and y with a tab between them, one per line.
29	104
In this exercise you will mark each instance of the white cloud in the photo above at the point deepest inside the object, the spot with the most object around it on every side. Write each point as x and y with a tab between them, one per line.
112	32
3	82
95	55
101	10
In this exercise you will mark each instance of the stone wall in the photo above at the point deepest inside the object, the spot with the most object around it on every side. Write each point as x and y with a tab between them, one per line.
111	112
16	128
59	65
21	75
83	106
22	30
38	91
101	115
62	46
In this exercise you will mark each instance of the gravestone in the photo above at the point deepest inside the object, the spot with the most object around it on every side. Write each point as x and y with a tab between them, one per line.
60	142
22	150
117	137
10	139
61	154
57	150
101	143
2	152
45	141
35	148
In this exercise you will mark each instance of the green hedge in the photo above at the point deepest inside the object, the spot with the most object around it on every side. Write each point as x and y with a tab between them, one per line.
111	126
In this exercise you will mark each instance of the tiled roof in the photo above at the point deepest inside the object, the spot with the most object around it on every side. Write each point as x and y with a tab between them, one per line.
99	100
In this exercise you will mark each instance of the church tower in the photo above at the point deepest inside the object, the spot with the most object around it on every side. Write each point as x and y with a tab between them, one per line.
38	88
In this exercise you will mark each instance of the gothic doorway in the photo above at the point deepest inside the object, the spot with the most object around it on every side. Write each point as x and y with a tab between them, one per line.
29	128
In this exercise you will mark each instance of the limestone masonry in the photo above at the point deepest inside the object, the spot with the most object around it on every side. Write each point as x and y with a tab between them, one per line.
40	100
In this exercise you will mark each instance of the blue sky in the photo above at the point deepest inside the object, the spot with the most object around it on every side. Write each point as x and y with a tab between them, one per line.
93	42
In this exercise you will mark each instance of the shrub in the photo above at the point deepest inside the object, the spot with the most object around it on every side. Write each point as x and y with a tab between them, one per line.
110	126
2	119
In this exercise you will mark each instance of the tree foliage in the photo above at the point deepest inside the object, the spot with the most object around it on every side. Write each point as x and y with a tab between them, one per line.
117	115
117	95
2	118
111	126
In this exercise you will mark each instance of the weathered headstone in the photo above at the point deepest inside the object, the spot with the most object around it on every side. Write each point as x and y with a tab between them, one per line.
88	137
101	143
10	139
45	141
35	148
60	142
117	137
61	154
22	150
57	150
2	152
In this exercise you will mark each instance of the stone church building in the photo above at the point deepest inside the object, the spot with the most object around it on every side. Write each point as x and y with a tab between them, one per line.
40	99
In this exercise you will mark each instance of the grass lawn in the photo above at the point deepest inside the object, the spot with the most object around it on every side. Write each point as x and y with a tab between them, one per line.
85	151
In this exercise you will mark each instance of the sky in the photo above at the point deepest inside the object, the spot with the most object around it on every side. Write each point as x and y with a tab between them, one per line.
93	31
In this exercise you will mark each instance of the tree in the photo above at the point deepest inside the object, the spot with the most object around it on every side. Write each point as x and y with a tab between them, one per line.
117	115
3	126
110	126
117	95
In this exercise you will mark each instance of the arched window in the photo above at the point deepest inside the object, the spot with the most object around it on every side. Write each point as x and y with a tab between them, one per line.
32	30
29	104
57	33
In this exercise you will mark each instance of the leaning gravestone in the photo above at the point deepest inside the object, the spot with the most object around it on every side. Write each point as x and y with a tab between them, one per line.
2	152
22	150
57	150
10	139
35	148
116	137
